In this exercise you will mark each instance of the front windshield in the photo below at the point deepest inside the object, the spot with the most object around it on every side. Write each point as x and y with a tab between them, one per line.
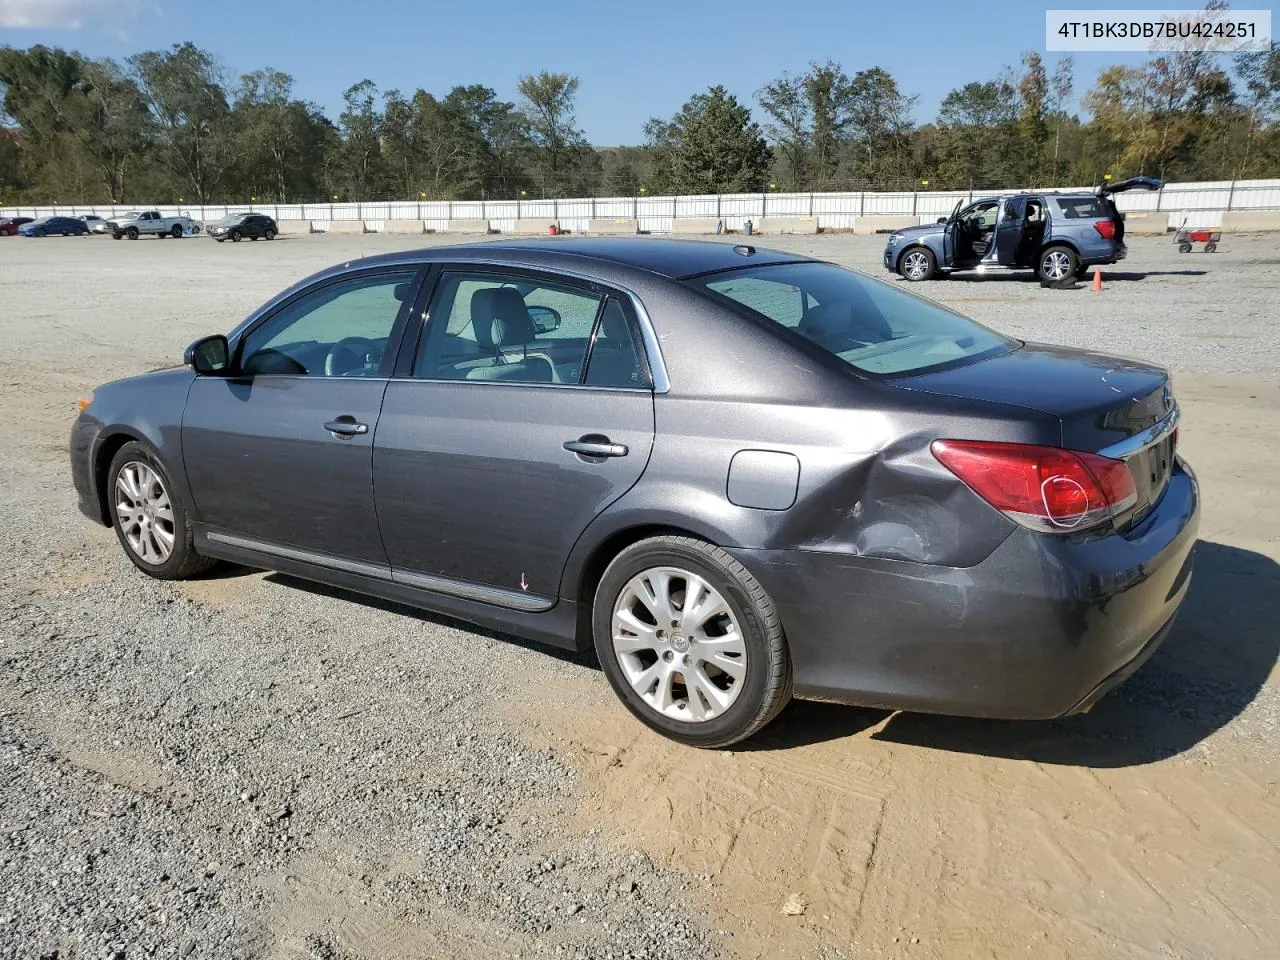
867	323
229	219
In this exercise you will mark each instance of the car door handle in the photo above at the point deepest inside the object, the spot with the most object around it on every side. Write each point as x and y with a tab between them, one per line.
346	427
594	445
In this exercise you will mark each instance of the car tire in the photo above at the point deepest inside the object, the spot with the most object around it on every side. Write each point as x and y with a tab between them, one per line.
235	236
723	709
269	235
1056	266
176	232
117	236
132	233
138	488
918	263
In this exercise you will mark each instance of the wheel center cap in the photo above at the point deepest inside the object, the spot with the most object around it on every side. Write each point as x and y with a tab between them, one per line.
680	642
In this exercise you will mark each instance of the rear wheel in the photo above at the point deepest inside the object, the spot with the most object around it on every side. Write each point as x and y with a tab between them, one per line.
270	234
917	264
690	641
1057	266
150	520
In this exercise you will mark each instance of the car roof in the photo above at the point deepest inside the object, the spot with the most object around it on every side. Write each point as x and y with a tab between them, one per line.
673	259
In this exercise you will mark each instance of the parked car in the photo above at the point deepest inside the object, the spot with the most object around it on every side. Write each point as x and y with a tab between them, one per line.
95	224
1059	235
135	224
239	226
9	225
741	474
54	227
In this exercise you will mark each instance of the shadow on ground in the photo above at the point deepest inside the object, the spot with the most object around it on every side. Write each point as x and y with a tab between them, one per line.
585	658
1216	660
1108	275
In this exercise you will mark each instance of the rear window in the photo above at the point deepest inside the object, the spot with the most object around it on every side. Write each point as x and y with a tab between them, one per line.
1081	208
870	325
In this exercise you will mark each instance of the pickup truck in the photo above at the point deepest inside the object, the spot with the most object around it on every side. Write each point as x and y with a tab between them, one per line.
134	225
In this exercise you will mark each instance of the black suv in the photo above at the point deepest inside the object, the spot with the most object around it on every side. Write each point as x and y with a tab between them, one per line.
238	226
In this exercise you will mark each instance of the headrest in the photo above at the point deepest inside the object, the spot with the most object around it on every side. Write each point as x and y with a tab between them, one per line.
500	318
613	323
401	290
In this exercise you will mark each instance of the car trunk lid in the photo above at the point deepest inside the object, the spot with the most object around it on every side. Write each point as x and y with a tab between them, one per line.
1122	409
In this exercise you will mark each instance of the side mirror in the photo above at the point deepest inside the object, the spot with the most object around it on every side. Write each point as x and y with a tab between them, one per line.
544	319
209	356
942	219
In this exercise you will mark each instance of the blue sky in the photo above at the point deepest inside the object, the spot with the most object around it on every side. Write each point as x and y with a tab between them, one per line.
634	60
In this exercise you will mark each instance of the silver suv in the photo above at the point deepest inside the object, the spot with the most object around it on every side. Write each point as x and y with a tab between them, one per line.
1059	235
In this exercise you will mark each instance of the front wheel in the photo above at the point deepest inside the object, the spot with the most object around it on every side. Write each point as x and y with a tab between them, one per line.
132	233
1057	266
150	520
176	232
690	641
917	264
235	236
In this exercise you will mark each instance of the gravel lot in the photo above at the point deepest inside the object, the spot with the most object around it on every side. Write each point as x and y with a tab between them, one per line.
248	766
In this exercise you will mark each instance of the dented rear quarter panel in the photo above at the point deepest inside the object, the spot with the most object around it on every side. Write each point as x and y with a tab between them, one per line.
868	486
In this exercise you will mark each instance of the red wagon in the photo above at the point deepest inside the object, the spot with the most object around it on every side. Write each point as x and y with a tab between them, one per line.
1184	238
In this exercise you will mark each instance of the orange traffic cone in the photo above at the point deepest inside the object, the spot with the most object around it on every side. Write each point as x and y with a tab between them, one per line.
1097	279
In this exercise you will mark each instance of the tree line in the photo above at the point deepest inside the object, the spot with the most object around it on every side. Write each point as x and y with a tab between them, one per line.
172	125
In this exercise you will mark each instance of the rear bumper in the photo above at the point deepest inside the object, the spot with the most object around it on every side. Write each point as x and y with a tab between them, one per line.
1041	628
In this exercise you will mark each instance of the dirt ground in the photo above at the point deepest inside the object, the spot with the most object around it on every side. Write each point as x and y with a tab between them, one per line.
1149	828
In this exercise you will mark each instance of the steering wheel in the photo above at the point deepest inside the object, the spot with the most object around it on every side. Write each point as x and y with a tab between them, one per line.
348	355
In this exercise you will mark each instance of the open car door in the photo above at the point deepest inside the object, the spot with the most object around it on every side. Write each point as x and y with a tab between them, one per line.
949	236
1133	183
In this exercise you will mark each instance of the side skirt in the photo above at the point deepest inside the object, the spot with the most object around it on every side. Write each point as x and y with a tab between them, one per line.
553	621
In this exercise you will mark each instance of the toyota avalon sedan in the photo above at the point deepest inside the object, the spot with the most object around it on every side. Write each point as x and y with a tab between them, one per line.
741	475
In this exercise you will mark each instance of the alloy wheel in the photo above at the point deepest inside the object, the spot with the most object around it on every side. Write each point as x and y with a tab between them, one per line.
144	512
679	644
1056	265
915	265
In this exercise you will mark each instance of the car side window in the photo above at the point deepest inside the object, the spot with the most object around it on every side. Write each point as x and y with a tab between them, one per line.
490	326
338	330
617	358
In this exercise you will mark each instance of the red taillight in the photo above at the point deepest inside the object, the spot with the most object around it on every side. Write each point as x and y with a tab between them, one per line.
1045	488
1106	229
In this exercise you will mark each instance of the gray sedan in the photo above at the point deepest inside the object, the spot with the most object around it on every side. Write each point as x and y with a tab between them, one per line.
741	475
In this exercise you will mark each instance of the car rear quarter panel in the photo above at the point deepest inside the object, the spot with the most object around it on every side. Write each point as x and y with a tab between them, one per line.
868	484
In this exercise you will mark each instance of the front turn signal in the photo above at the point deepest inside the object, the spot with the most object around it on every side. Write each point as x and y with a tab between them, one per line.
83	402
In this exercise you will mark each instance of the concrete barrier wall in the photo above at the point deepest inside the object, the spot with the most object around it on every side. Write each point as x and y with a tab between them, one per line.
345	226
466	226
529	225
1146	224
779	225
696	225
1251	220
403	226
294	226
613	226
883	223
